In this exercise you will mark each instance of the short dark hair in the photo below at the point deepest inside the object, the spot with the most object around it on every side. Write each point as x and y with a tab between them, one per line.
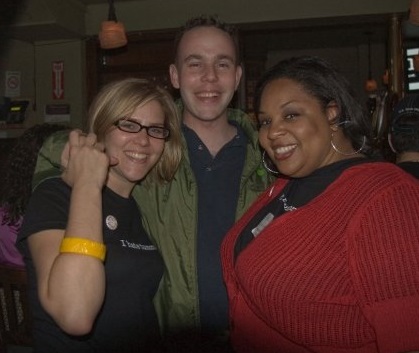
325	83
208	21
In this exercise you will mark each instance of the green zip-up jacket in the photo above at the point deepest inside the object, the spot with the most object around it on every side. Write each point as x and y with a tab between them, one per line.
170	216
172	220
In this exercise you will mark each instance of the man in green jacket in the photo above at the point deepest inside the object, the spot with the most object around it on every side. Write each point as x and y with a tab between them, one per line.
220	175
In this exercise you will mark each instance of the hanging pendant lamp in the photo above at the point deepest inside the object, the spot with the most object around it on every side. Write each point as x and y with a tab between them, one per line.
112	34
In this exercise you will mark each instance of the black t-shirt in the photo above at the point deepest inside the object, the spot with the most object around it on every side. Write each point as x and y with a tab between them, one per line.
133	267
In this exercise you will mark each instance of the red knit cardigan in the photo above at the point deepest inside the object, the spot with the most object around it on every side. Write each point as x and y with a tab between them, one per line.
338	275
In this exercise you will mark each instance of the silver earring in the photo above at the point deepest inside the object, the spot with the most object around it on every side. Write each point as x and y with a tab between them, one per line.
391	143
346	153
266	165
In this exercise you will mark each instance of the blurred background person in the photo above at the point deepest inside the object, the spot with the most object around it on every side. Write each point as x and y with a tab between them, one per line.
403	136
16	187
326	260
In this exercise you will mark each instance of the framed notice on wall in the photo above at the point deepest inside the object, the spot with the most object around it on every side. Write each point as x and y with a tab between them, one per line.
12	81
57	113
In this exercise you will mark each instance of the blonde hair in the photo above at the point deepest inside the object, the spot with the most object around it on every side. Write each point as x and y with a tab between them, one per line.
119	99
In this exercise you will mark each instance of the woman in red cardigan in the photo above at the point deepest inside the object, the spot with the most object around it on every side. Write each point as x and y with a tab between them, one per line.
327	259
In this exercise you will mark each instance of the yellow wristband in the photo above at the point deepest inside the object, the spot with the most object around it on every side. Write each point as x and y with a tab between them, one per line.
83	247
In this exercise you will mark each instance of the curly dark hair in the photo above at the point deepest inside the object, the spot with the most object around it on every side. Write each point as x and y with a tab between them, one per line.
324	82
16	180
208	21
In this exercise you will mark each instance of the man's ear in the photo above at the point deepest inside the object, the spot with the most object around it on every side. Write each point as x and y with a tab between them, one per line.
239	72
174	76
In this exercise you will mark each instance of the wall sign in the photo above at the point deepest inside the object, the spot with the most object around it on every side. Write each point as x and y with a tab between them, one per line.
57	113
58	80
12	84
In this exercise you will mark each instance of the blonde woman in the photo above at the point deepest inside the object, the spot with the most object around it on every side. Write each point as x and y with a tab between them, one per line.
93	269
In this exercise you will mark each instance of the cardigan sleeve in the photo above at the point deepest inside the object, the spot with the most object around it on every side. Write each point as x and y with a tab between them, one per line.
384	265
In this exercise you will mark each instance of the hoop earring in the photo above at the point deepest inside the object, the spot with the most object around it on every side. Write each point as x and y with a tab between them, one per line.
364	141
391	143
266	165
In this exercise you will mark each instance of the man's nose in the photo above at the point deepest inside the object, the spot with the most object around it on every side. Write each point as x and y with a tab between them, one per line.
210	73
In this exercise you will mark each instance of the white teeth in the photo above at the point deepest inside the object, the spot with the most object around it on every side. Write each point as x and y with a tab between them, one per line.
139	156
284	149
207	94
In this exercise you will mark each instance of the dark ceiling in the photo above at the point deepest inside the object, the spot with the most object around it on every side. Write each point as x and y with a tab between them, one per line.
318	33
92	2
322	32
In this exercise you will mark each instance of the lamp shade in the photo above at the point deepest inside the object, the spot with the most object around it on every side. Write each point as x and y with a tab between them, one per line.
112	35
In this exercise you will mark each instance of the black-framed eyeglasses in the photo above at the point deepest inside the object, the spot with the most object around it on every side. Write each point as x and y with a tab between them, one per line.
133	127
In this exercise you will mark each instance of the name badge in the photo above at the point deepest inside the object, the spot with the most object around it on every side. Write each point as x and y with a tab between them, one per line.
263	224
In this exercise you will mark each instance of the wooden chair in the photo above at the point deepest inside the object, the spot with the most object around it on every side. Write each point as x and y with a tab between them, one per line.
15	315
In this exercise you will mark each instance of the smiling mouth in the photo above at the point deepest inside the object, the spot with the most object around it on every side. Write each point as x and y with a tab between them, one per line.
285	151
207	95
136	156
